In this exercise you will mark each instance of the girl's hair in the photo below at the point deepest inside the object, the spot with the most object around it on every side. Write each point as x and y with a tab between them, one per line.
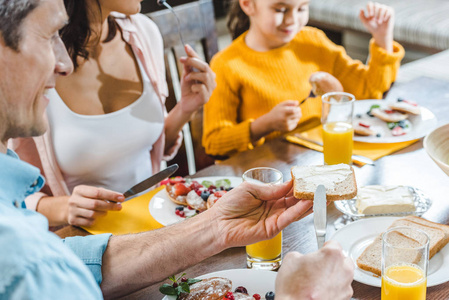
238	21
77	32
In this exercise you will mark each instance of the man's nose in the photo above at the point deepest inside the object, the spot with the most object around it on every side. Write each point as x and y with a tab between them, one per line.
64	65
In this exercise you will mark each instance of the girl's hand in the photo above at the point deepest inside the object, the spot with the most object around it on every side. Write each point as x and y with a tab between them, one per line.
379	21
87	203
197	82
284	116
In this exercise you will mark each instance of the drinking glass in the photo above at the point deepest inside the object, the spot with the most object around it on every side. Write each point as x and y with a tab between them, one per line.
404	264
336	118
265	255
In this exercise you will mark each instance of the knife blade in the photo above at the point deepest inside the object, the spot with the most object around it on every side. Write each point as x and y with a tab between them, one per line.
150	181
320	214
355	157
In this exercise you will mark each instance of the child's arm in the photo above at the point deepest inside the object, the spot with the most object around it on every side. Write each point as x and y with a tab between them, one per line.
379	21
283	117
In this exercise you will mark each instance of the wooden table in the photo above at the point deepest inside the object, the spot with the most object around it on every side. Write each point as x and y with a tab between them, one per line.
410	166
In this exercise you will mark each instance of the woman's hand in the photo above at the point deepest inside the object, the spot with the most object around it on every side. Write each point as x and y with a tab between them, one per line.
379	21
87	203
197	82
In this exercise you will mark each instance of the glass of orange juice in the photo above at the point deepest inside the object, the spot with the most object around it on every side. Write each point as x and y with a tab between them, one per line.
405	260
265	255
336	118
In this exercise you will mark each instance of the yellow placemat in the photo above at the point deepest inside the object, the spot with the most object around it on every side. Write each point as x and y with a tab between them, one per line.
133	218
371	150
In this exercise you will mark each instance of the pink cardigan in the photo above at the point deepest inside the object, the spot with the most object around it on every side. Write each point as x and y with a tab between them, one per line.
146	41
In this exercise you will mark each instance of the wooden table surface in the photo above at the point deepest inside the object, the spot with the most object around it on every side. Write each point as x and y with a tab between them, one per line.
410	166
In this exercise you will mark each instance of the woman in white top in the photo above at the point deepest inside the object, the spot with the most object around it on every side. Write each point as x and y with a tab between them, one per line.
108	125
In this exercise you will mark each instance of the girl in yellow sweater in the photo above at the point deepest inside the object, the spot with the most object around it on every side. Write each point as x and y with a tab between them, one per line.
263	75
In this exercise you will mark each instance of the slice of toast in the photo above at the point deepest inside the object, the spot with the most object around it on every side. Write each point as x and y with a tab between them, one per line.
339	181
370	260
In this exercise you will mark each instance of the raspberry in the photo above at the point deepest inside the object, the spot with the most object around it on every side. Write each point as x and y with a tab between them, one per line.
182	214
256	296
229	296
183	279
175	285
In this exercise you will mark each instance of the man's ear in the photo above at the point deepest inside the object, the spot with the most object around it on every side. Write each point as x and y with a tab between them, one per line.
247	6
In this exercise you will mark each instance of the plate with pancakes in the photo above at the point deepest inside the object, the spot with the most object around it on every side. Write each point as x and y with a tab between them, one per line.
254	281
381	121
187	197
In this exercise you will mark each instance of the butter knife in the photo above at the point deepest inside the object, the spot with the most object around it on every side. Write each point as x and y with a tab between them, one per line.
150	182
320	214
355	157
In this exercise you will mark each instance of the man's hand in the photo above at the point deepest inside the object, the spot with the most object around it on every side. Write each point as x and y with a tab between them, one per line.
197	82
379	21
284	116
87	203
326	274
253	212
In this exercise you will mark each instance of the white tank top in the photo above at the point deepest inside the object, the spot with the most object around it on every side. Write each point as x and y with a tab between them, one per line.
111	150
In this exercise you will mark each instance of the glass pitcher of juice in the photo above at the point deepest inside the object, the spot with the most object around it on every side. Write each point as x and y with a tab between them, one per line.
338	132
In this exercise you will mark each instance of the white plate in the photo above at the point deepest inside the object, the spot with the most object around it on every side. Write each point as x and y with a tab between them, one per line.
255	281
163	209
421	124
356	236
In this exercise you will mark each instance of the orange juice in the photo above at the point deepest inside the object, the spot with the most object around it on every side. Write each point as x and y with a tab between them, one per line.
337	143
404	281
266	250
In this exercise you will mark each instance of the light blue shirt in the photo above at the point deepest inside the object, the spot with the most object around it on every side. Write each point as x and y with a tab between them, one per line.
35	263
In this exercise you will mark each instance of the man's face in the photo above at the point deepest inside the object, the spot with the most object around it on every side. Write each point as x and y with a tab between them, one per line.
27	74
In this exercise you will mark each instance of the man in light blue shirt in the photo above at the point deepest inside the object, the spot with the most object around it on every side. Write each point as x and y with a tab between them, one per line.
36	264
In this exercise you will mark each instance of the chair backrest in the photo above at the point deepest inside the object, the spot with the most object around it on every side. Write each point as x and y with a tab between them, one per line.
198	30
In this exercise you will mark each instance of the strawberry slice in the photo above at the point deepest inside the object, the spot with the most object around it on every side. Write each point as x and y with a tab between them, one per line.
410	102
397	131
165	181
177	179
181	189
219	194
364	125
388	111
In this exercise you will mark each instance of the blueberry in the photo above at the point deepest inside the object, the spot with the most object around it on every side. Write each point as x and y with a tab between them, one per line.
378	135
180	208
358	116
205	194
241	289
400	99
229	188
269	296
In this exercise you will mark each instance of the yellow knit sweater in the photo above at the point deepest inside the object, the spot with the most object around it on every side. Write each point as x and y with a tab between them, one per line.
251	83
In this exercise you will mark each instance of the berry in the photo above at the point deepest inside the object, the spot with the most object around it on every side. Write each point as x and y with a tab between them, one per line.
165	181
219	194
205	194
269	296
364	125
175	284
228	189
212	187
189	207
229	296
388	111
358	116
198	192
194	185
181	189
177	179
241	289
182	214
179	208
256	296
183	279
400	99
397	131
378	135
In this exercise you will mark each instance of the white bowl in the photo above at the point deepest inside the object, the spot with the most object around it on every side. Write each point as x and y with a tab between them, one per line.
436	144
